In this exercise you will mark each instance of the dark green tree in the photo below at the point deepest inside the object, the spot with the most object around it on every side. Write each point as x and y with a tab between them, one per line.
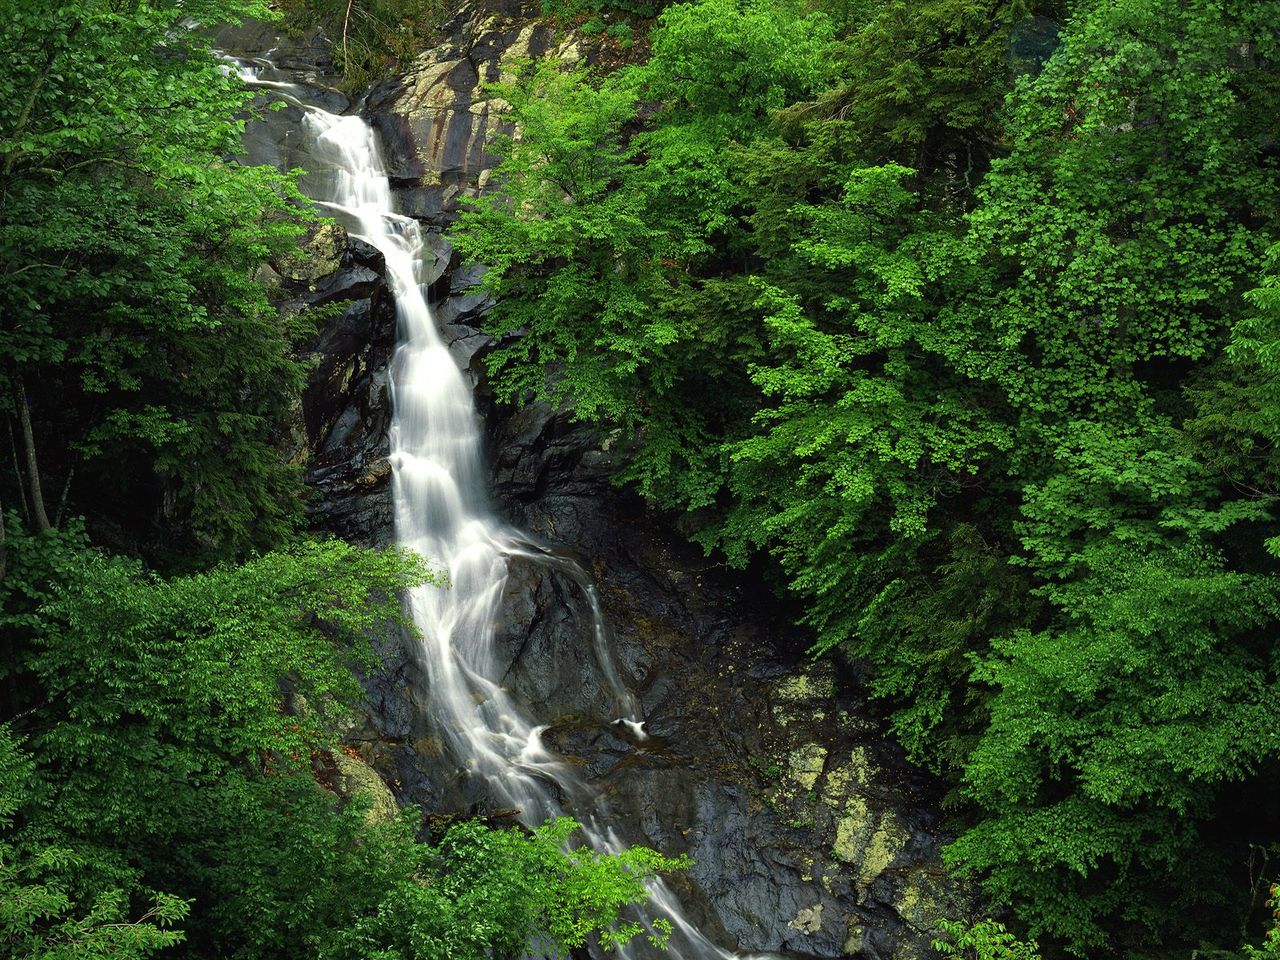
134	330
1128	223
163	796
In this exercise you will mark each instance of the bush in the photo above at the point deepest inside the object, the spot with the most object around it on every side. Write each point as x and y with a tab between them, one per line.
984	940
163	781
572	9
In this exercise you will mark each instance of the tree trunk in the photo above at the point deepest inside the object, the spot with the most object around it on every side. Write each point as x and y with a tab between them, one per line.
29	446
62	501
20	484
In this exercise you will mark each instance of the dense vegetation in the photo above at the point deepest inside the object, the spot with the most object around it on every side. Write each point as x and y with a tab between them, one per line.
164	726
371	37
966	315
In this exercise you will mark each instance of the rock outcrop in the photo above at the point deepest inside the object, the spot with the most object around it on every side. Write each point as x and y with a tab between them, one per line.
809	831
437	122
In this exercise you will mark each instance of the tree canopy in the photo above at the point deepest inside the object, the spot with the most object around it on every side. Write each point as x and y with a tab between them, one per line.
134	330
154	792
963	316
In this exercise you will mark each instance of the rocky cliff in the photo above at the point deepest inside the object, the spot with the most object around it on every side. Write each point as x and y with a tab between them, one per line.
809	832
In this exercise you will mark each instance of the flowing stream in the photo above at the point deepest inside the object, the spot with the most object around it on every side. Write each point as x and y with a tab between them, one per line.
442	512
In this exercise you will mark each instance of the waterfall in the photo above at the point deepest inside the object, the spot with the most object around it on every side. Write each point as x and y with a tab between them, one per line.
442	512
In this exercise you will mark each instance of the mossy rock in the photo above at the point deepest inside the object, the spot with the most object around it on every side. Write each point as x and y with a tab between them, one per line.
927	896
816	682
868	840
318	257
803	695
355	778
805	764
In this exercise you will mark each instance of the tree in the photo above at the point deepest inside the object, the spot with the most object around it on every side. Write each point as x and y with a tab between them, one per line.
135	331
370	37
1127	220
984	940
494	892
165	786
38	916
992	385
603	243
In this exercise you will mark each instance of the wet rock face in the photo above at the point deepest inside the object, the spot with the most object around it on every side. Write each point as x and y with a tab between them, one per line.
306	55
809	832
341	433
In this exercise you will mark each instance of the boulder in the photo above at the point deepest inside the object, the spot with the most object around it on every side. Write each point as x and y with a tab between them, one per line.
438	122
352	778
320	255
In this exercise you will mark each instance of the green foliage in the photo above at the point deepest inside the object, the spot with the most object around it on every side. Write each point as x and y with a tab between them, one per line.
154	709
566	10
982	353
134	330
1114	725
1151	259
161	757
984	940
861	397
588	247
1237	399
495	891
921	83
1270	947
942	599
623	33
38	915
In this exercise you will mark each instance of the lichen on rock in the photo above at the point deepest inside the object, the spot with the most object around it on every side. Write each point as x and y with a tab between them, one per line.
808	920
355	778
869	840
771	773
805	764
318	256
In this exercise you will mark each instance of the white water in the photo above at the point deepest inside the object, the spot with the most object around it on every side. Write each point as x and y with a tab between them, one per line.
442	512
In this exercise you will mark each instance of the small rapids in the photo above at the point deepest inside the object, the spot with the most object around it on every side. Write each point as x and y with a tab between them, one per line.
442	512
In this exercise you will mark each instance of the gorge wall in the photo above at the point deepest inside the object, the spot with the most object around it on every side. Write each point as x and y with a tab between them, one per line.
810	834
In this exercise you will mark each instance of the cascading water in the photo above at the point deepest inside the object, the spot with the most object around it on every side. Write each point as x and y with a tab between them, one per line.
441	511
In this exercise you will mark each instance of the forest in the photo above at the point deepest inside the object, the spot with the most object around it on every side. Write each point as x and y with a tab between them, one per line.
956	322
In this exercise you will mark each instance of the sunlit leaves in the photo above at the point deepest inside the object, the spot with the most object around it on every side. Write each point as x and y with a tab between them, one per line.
494	892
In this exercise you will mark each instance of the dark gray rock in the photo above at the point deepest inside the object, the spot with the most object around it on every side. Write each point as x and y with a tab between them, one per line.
465	344
436	122
467	308
437	255
809	831
345	403
302	57
350	283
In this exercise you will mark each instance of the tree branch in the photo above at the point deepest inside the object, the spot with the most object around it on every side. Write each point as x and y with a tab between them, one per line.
29	104
29	448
